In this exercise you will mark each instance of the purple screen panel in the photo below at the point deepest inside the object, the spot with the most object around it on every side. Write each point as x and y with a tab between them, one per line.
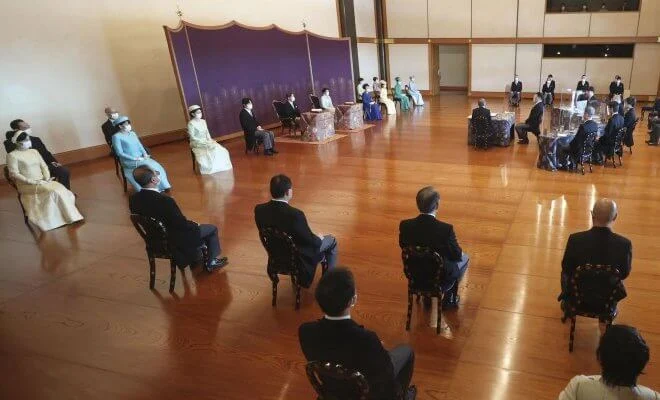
331	65
185	65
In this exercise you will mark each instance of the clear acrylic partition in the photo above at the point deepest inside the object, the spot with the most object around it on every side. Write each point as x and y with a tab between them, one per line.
505	98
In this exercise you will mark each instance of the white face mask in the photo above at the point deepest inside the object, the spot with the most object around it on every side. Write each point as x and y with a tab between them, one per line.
28	131
584	79
26	144
114	116
515	79
249	106
198	115
618	81
292	99
127	128
549	80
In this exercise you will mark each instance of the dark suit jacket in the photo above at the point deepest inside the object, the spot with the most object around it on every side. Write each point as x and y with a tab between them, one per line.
481	111
516	87
629	119
283	217
597	246
616	89
289	111
549	89
578	142
183	235
583	97
613	125
108	131
535	118
425	230
581	86
347	343
37	144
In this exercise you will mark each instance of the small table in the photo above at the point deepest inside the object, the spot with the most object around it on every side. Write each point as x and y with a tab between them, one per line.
350	116
320	126
501	126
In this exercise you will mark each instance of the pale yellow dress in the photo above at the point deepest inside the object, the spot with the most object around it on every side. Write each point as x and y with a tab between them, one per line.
48	204
211	157
391	108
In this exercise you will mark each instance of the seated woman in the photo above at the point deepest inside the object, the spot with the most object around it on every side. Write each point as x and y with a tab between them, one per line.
391	109
415	93
132	154
48	204
210	156
400	95
326	101
371	108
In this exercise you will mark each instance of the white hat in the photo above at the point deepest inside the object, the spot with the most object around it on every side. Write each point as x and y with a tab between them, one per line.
194	108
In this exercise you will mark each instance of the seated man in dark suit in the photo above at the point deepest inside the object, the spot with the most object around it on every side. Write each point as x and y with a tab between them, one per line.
253	129
611	129
616	87
629	116
336	338
586	128
278	214
425	230
185	236
533	122
592	100
481	110
548	90
599	245
291	110
515	91
108	128
57	170
583	84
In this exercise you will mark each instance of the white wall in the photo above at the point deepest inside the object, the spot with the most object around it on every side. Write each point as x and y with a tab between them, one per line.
646	69
530	19
75	57
569	24
410	59
566	71
365	18
649	23
528	66
494	18
492	66
611	24
368	55
406	18
453	62
453	24
601	72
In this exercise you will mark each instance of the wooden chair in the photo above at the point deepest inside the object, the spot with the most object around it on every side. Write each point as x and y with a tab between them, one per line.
20	201
593	292
332	381
616	148
628	139
425	271
316	103
154	234
283	259
192	154
481	132
286	122
395	99
252	143
587	152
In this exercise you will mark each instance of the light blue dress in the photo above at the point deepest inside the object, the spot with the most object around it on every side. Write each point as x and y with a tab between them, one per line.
128	148
415	93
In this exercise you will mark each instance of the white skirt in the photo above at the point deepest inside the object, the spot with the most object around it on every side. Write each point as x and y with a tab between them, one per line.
212	158
49	205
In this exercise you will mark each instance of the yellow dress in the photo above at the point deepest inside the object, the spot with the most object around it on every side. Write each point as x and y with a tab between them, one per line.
211	157
48	204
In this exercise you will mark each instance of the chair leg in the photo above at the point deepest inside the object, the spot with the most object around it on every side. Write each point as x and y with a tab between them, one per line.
590	169
410	304
324	267
123	179
297	297
172	275
439	319
192	157
116	167
274	293
571	338
620	163
152	272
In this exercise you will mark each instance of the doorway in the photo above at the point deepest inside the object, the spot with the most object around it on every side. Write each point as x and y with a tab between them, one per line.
452	67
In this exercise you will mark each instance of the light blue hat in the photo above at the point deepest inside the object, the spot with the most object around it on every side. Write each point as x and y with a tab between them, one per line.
120	120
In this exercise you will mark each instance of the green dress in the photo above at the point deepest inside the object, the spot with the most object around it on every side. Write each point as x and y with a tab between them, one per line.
398	94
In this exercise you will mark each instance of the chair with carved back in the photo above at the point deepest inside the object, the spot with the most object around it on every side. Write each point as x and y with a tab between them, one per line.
395	99
593	292
20	201
332	381
192	154
425	271
587	153
615	148
628	139
286	122
316	103
481	132
283	259
154	234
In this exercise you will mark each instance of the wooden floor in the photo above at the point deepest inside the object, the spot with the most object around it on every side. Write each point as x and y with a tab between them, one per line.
77	320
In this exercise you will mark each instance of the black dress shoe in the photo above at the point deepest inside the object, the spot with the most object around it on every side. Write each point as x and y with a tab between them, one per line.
274	151
217	263
451	303
521	141
268	152
411	393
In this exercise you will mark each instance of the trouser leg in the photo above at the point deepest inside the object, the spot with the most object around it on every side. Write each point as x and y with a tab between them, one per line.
403	362
209	236
329	250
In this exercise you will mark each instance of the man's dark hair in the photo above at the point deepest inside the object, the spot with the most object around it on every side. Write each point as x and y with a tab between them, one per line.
591	89
375	78
622	354
335	291
246	101
289	95
360	80
143	175
617	77
14	124
365	86
428	199
539	95
550	76
23	136
325	89
279	185
632	100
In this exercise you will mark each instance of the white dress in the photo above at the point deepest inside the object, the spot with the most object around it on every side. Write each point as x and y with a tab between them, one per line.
48	204
391	109
210	155
415	93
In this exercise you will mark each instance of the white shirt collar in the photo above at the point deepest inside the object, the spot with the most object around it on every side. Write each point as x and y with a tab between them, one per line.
280	200
433	215
343	317
152	189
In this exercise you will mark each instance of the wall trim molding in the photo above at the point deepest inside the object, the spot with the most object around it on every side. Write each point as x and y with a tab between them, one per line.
529	95
454	88
527	40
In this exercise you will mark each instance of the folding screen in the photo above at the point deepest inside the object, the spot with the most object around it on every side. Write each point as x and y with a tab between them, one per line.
216	67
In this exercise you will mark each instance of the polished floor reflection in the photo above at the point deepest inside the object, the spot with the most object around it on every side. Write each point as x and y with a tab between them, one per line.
77	319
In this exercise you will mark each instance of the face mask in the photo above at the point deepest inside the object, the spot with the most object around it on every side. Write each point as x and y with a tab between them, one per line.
617	82
114	116
127	128
515	80
292	99
549	80
27	144
198	115
583	79
249	106
28	131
